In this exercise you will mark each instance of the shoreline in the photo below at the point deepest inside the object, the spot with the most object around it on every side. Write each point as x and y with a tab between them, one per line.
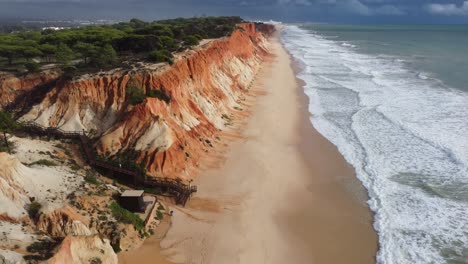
276	192
343	187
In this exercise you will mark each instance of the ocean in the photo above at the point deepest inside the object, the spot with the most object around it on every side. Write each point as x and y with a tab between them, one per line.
394	100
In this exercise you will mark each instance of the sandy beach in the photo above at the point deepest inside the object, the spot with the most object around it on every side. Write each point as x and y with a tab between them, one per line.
279	193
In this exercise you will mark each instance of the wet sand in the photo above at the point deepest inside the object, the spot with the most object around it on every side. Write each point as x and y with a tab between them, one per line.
280	193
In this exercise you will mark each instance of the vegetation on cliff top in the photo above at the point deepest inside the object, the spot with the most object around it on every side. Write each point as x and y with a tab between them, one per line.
108	46
123	215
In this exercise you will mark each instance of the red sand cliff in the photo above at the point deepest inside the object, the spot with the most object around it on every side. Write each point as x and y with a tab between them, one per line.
204	88
11	86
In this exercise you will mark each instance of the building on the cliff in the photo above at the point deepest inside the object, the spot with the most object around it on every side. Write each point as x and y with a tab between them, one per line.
132	200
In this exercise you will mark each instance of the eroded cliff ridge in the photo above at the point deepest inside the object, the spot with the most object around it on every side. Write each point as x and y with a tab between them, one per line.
167	132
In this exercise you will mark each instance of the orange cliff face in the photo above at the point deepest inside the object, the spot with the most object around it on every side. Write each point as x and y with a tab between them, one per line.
169	135
12	87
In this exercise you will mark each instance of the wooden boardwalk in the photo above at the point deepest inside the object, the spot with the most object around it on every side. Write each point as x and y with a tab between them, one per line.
180	191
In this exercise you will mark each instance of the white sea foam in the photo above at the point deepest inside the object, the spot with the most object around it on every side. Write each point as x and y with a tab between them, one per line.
423	75
406	136
345	44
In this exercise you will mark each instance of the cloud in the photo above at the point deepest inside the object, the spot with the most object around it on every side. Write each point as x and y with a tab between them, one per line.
448	9
341	11
359	8
245	3
355	7
302	2
297	2
389	10
375	1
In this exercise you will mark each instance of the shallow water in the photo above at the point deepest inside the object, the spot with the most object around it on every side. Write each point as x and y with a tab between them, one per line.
394	101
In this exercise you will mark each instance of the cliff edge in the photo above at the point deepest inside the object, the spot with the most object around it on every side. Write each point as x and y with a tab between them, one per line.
187	104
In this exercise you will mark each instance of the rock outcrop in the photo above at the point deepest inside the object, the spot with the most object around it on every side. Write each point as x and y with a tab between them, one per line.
13	195
11	257
192	100
63	222
19	184
84	249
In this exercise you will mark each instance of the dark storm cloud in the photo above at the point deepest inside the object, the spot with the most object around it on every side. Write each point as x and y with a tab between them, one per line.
383	11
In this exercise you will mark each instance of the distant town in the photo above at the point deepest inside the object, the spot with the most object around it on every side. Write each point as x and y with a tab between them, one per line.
9	26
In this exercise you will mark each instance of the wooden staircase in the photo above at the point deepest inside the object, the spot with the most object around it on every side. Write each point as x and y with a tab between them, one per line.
180	191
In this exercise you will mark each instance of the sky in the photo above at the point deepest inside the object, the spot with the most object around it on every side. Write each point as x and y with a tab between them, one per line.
329	11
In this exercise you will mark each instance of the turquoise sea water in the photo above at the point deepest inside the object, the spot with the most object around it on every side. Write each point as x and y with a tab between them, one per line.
440	50
394	100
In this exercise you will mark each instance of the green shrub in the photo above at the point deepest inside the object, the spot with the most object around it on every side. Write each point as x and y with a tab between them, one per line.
159	215
127	217
69	72
91	178
160	94
41	250
75	167
32	66
160	56
34	208
44	162
116	247
191	41
134	94
6	145
7	125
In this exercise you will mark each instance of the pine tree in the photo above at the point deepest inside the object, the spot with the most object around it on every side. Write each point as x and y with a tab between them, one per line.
7	125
